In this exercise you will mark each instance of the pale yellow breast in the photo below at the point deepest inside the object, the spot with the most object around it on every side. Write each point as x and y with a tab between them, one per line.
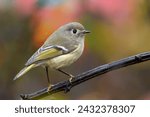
67	59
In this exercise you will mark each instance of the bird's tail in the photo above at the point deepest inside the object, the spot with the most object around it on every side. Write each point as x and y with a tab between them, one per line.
24	70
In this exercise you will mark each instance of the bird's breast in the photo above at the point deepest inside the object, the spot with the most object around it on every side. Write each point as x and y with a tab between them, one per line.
67	59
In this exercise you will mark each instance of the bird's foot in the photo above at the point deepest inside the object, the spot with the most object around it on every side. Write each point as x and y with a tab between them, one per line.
68	87
71	78
49	87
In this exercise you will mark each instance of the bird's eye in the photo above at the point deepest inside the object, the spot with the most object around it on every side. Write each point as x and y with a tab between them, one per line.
74	31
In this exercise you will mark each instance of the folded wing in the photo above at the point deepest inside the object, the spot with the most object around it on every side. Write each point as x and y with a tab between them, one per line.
46	53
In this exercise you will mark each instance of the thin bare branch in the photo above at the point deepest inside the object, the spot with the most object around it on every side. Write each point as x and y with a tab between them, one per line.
66	85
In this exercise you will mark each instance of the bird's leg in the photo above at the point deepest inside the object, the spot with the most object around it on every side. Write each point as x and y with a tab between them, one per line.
70	75
47	74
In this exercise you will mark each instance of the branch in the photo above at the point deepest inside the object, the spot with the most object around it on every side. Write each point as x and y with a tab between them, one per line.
66	85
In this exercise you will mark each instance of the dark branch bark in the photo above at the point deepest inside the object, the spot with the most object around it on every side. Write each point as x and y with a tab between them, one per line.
66	85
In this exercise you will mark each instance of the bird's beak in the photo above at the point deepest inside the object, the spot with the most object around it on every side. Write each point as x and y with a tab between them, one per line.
85	31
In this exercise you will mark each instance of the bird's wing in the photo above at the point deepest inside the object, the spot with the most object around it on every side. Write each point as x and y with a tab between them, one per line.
45	53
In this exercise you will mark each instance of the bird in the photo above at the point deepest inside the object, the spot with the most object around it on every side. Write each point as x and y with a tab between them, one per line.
62	48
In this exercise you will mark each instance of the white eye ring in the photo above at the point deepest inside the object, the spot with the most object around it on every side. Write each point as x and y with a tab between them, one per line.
74	31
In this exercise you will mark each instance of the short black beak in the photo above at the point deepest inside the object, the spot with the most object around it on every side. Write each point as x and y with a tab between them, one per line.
85	31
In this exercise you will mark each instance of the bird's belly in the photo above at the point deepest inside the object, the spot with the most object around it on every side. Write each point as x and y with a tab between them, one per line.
65	60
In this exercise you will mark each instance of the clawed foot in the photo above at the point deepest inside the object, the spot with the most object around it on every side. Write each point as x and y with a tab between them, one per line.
71	78
68	87
49	88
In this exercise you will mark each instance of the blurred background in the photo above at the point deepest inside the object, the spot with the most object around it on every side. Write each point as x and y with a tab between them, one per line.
119	28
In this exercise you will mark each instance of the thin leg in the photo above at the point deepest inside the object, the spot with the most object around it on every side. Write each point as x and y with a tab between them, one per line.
70	75
47	74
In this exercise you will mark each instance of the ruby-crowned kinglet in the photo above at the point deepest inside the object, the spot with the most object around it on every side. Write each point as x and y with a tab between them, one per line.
61	49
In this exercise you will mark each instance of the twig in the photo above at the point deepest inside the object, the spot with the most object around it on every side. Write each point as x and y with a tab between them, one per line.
66	85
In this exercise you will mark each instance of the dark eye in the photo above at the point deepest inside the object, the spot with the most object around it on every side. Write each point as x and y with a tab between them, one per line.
74	31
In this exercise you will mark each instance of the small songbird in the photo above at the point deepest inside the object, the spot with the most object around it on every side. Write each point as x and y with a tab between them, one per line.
61	49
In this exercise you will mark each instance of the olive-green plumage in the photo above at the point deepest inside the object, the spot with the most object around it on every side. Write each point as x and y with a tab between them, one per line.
61	49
